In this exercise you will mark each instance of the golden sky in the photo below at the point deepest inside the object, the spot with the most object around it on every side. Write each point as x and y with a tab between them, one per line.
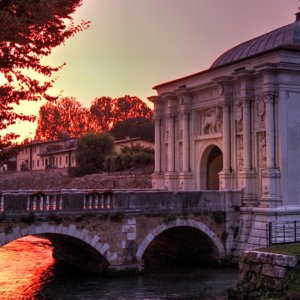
133	45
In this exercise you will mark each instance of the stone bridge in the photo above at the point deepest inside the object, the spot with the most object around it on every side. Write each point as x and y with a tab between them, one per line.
125	230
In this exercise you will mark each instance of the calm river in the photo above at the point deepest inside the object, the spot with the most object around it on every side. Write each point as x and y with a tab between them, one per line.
28	271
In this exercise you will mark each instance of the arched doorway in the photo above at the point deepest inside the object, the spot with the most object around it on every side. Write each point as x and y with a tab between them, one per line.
211	165
214	166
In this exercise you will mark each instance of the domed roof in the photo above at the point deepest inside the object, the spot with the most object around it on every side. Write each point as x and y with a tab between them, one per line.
287	37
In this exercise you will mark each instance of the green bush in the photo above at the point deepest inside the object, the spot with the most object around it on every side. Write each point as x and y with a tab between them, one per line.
91	152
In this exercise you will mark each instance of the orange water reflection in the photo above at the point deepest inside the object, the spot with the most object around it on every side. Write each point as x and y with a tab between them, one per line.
25	265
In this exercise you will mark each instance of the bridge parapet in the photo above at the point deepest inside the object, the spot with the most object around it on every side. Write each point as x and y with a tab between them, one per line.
24	202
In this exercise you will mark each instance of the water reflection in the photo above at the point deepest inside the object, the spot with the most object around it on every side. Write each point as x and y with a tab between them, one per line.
25	266
28	271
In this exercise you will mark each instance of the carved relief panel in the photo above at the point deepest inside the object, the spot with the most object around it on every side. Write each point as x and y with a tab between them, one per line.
239	151
262	151
180	127
211	121
259	112
239	115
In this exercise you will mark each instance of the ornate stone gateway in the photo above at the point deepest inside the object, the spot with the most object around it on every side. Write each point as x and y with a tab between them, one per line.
237	126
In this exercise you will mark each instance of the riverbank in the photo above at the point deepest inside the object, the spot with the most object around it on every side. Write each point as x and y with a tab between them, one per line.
269	274
59	179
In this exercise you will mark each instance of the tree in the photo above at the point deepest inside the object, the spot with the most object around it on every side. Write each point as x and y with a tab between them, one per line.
131	157
101	114
134	127
62	119
106	112
30	30
91	152
67	117
128	107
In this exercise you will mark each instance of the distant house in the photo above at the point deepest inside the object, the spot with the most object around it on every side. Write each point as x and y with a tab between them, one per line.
39	155
60	154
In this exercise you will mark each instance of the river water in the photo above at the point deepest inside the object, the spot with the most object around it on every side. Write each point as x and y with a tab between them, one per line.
28	271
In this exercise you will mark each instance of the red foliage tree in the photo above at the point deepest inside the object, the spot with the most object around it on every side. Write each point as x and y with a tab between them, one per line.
106	112
101	112
30	29
67	117
62	119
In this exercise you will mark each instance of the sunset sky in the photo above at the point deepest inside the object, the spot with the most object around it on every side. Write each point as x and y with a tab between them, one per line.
133	45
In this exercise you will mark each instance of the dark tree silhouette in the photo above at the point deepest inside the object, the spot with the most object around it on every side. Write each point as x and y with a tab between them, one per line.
62	119
134	127
91	152
30	29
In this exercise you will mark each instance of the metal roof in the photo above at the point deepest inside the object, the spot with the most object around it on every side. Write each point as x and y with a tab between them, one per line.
284	37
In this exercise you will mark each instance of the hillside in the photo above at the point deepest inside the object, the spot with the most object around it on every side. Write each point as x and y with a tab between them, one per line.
55	179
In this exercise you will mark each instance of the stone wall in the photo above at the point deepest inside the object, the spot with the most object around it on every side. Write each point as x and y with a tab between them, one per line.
265	270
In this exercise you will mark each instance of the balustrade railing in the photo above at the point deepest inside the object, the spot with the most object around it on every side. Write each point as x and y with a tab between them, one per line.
19	202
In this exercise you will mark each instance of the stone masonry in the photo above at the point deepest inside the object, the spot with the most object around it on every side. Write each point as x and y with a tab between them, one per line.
262	269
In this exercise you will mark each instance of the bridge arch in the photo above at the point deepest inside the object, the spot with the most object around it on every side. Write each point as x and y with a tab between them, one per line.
211	163
175	224
61	235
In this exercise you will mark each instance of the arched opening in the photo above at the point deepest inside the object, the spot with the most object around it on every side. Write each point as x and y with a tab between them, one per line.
76	253
210	165
76	247
214	166
179	247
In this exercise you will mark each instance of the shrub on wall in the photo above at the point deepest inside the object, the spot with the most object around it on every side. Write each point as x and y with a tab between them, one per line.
131	157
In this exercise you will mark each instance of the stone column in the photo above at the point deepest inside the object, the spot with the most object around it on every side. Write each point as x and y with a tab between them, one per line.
185	142
171	143
158	181
247	180
226	175
226	138
157	145
270	176
185	102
